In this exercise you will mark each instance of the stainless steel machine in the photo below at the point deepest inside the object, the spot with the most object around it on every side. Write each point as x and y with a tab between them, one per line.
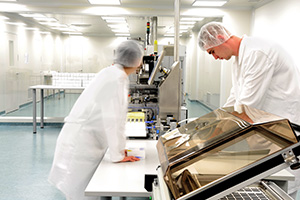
157	91
226	154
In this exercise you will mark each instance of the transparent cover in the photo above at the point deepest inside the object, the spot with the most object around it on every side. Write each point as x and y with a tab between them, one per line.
219	144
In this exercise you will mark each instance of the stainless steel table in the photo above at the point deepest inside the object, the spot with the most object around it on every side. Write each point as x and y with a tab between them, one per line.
34	102
124	179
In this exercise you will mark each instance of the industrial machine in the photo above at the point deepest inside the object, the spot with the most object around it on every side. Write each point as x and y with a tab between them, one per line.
226	153
156	90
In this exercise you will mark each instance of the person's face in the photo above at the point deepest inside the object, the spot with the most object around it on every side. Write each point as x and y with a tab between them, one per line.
223	51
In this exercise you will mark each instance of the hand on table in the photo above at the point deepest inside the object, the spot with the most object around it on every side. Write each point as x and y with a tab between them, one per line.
129	158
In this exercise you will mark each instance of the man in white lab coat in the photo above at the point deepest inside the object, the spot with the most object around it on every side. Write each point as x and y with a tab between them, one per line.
95	123
263	76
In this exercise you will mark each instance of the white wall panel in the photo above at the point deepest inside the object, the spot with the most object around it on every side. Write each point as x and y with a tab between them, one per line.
279	21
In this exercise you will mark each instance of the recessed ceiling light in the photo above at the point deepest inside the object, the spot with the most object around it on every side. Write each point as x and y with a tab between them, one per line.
120	30
122	34
105	2
9	7
209	3
32	15
3	18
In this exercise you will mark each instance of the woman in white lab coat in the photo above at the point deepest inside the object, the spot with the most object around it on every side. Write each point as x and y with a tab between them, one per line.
264	76
95	123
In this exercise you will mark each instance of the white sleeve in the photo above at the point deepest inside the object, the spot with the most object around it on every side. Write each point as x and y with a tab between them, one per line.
113	111
257	76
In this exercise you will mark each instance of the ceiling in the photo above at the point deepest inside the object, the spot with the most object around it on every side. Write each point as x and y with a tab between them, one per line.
85	18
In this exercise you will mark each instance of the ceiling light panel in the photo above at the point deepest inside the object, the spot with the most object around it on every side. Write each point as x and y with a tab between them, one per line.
32	15
209	3
3	18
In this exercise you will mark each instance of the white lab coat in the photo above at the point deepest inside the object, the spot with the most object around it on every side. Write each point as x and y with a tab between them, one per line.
96	121
265	77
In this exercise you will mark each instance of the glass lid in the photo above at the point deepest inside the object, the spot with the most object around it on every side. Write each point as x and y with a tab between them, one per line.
219	144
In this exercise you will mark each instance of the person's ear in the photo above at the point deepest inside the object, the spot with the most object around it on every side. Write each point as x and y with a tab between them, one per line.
221	37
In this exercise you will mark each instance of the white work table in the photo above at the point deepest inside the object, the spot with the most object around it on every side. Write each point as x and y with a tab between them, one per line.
124	179
34	102
127	179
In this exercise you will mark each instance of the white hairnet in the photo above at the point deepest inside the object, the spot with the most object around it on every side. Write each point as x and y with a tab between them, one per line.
128	54
208	35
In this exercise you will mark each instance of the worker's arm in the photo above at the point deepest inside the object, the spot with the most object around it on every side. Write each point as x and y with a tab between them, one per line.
256	78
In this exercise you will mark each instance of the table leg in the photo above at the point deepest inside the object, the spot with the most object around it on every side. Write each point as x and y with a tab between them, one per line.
42	108
34	110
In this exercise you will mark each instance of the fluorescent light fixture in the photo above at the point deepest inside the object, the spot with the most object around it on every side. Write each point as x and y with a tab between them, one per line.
122	34
191	19
209	3
105	2
7	7
16	23
45	19
3	18
106	10
45	32
32	15
120	30
10	0
118	26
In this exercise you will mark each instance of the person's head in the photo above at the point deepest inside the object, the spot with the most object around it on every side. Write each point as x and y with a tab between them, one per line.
213	38
129	54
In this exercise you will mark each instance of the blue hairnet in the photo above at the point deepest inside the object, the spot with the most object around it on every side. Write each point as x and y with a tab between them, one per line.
129	54
208	35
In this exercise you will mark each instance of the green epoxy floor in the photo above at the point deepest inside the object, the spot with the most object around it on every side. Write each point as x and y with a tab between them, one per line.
26	158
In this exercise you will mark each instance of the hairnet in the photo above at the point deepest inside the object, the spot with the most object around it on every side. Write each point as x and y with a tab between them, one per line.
128	54
208	35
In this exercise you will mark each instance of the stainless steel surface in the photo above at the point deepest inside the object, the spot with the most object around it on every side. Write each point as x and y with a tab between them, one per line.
169	94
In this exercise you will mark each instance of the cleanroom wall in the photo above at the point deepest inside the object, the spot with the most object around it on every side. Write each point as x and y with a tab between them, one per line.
34	53
89	54
279	21
23	58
